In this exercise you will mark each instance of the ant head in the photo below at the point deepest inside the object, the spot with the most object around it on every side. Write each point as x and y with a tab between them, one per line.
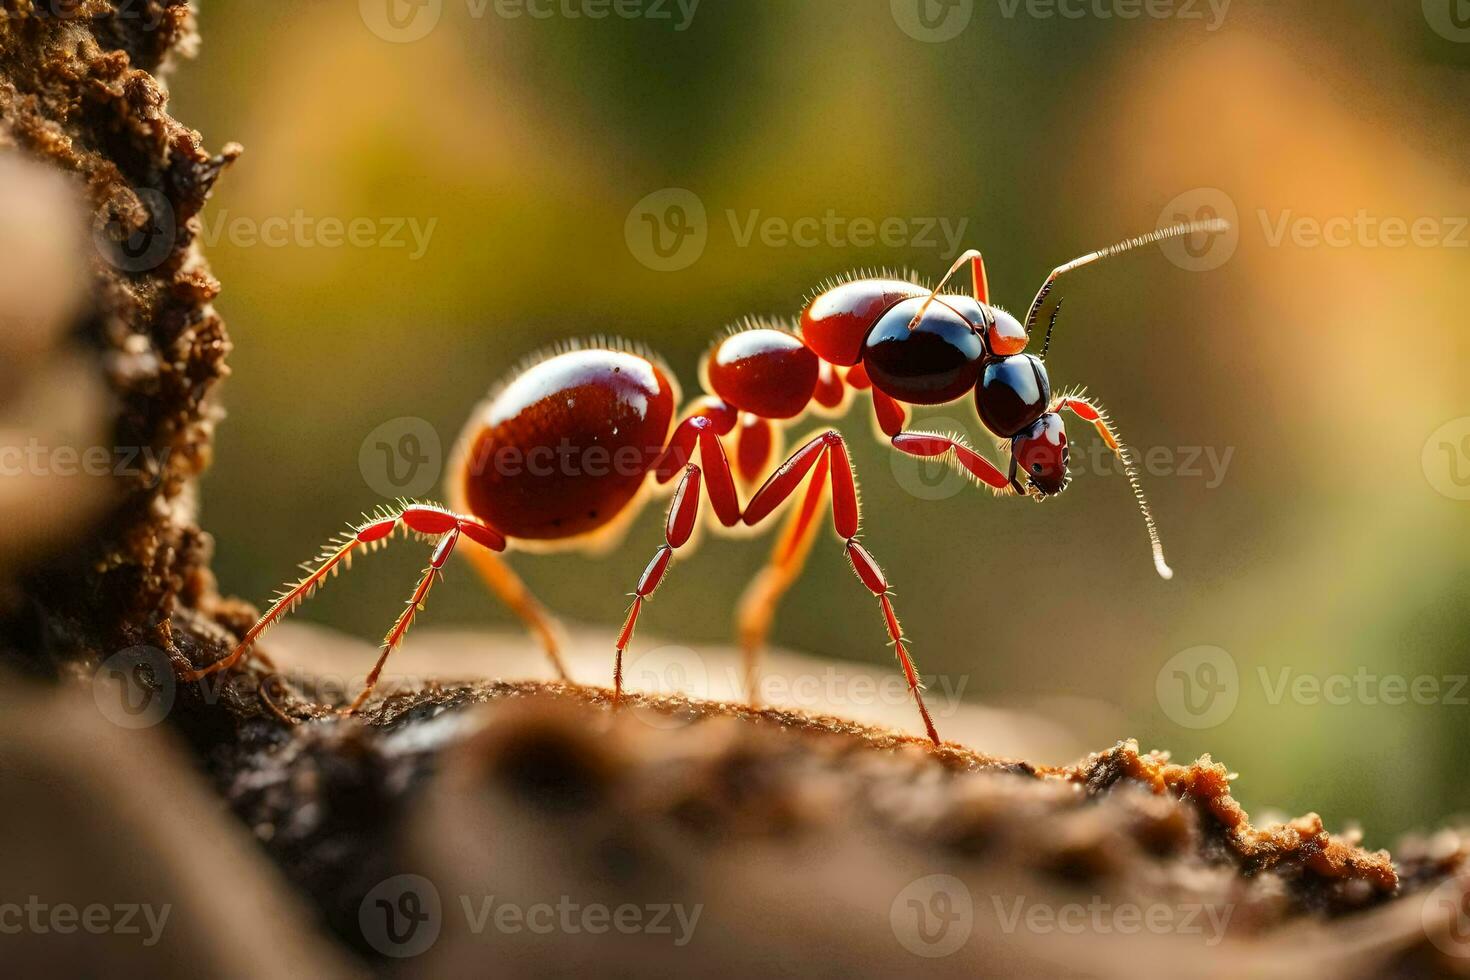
1041	453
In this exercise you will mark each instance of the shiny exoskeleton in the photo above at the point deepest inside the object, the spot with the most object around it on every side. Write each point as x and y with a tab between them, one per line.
564	453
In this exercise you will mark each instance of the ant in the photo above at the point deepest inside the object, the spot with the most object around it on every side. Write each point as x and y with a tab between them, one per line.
608	408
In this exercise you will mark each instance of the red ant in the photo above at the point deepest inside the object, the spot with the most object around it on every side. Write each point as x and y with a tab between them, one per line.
900	341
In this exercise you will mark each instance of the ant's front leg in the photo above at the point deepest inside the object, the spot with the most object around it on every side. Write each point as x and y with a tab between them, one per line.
932	444
697	432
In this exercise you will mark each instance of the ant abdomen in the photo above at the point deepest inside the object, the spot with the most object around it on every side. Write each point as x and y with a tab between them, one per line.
563	448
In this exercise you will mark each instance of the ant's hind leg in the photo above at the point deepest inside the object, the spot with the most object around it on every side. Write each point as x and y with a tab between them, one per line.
337	554
441	553
420	519
509	588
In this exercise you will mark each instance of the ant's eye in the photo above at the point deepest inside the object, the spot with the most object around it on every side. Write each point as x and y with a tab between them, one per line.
1036	468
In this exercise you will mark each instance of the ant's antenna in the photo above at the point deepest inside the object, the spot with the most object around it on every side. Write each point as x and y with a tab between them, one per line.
1046	346
1174	231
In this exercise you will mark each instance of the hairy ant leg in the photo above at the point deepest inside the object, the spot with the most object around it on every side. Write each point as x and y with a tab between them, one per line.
1090	411
846	518
763	596
517	596
442	550
931	444
370	535
679	526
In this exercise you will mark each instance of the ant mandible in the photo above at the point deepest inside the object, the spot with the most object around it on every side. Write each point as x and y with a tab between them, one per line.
902	342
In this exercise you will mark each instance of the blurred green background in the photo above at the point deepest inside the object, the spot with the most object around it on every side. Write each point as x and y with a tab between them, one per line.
1334	545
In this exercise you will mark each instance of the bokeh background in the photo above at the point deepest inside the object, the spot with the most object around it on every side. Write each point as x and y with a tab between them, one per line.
1331	376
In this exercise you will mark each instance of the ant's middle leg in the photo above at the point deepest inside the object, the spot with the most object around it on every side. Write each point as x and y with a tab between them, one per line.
846	518
762	597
